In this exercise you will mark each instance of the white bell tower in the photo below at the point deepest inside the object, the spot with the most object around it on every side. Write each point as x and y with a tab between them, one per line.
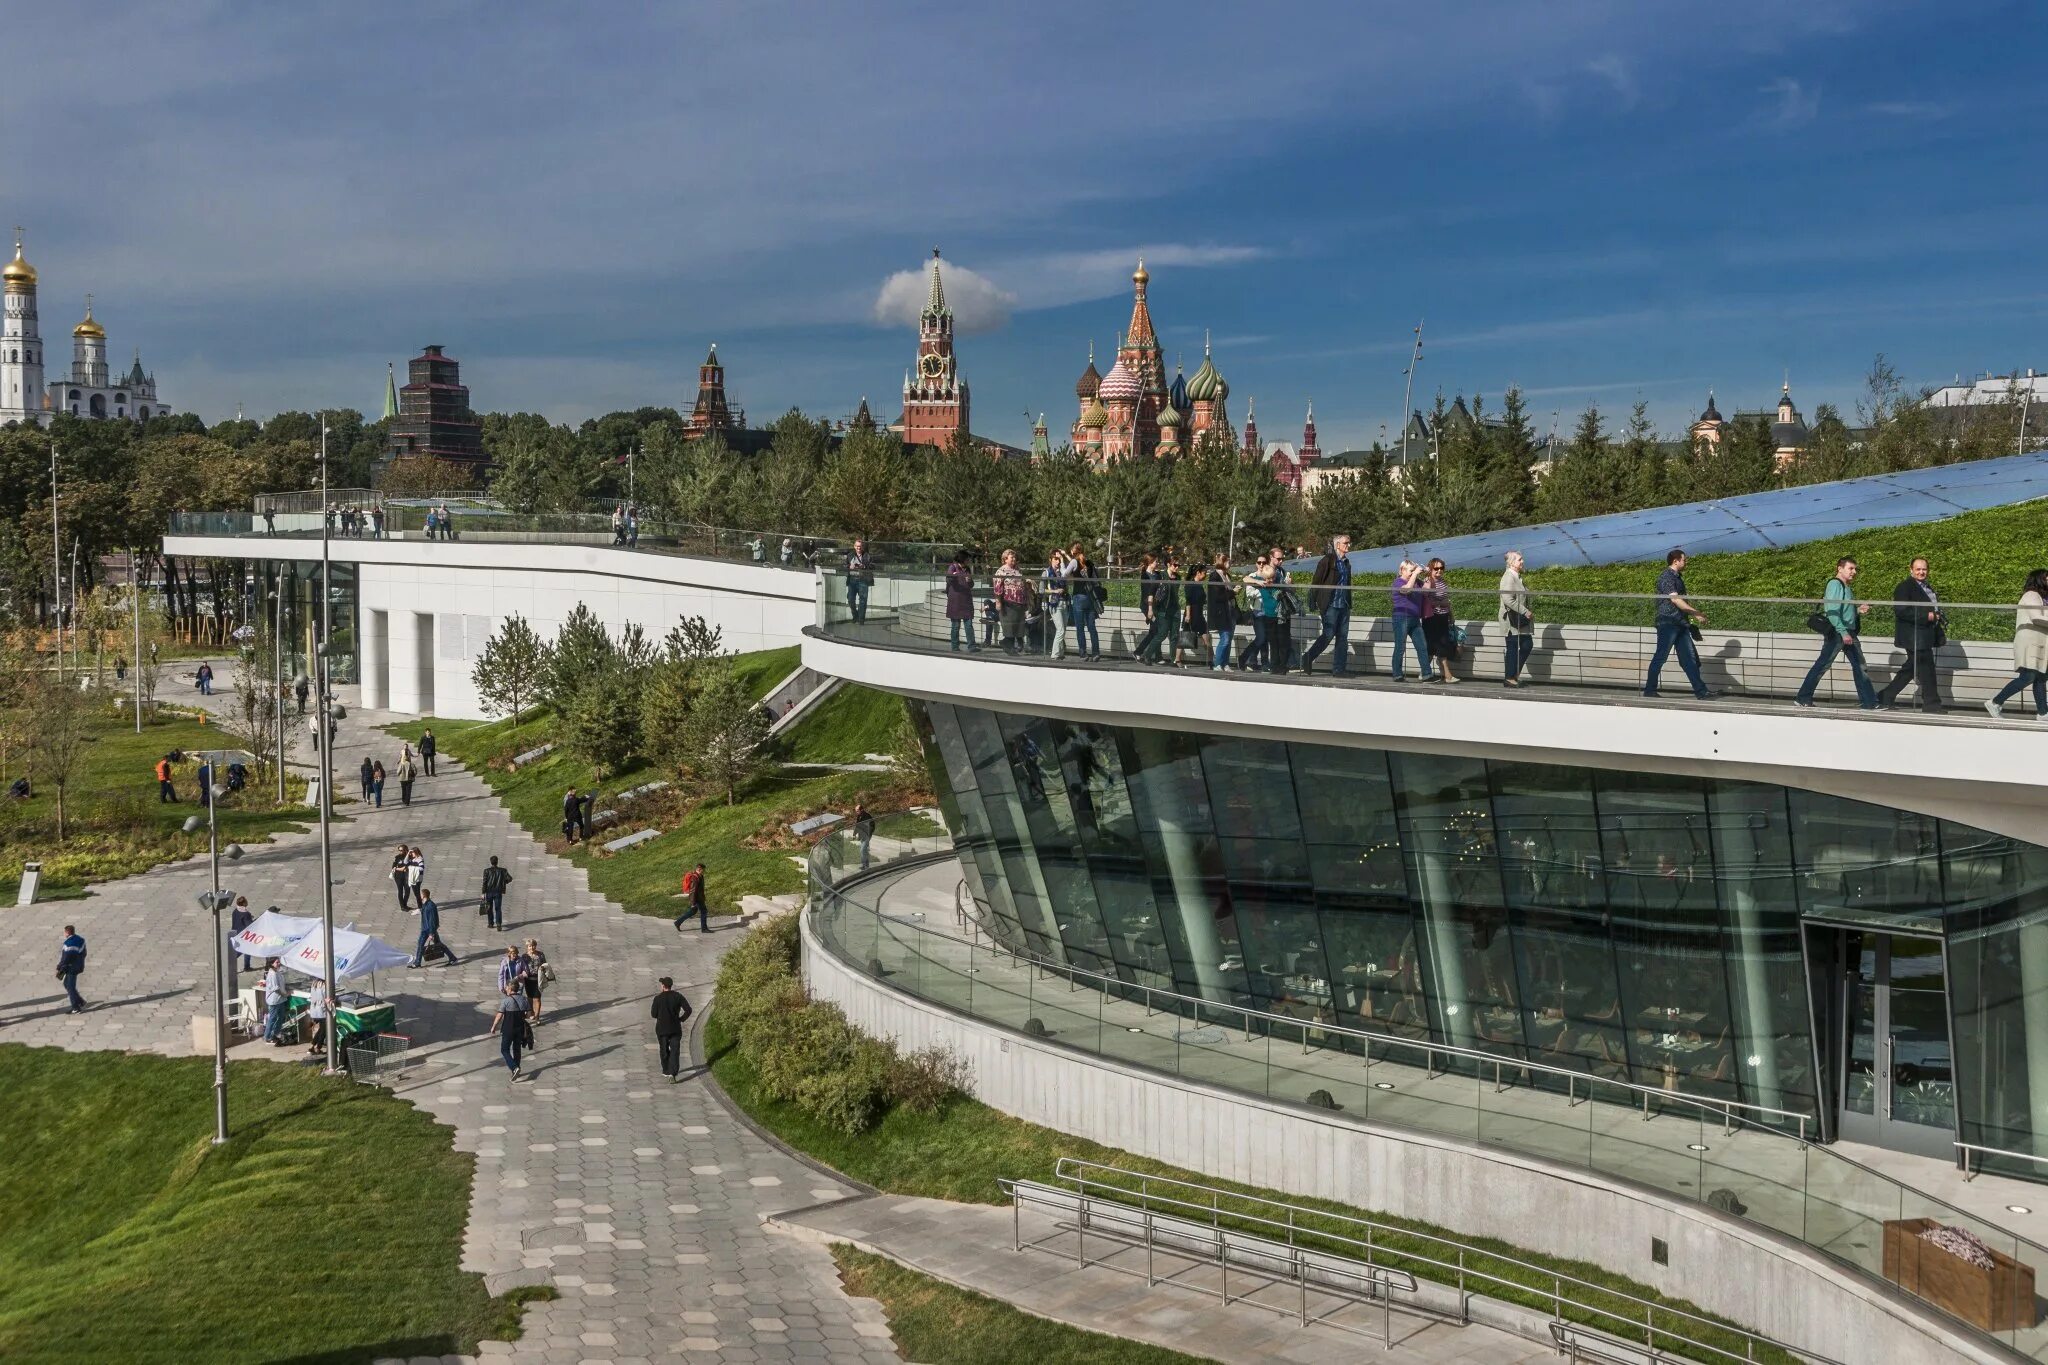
21	343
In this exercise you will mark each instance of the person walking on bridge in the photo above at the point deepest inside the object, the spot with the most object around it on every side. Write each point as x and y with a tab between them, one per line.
1842	614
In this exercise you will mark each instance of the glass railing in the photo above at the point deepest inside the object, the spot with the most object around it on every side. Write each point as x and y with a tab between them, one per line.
1745	647
477	520
925	939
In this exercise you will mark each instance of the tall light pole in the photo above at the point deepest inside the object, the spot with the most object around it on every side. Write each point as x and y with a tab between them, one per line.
1408	394
56	565
135	575
213	900
1230	555
631	452
323	681
277	673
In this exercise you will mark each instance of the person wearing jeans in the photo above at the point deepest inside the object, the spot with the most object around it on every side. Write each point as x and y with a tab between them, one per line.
1408	621
1675	620
1844	619
2029	649
1053	591
1083	604
960	604
1222	610
1330	595
860	573
1517	618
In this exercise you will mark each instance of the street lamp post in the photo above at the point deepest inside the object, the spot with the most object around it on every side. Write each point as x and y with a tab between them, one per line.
1230	556
135	610
213	900
56	566
1408	394
277	674
323	718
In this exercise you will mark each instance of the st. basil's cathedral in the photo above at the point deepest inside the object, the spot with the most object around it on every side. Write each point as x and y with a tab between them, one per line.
1132	411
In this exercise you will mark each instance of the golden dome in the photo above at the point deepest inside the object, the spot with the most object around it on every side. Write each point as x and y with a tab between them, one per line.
1140	275
89	328
18	274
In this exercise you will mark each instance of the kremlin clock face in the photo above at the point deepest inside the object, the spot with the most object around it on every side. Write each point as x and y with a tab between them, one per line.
933	366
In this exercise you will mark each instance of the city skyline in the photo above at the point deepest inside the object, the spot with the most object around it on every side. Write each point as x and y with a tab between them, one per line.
1630	211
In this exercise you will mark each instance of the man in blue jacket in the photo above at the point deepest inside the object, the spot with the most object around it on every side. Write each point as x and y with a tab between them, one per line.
430	930
71	964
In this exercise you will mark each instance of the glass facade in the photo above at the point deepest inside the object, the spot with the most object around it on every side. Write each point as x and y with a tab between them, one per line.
1713	937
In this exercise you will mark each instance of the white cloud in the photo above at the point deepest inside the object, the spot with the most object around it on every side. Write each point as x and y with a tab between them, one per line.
979	304
1789	103
1619	75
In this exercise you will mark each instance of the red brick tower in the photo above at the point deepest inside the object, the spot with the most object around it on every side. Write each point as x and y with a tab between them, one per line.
1310	452
934	395
1139	357
711	412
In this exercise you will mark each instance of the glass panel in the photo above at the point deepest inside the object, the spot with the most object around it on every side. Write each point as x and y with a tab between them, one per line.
1859	1084
1922	1065
1447	834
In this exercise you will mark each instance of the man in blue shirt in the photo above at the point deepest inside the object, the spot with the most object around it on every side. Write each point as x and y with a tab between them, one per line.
71	964
430	930
1330	595
1675	620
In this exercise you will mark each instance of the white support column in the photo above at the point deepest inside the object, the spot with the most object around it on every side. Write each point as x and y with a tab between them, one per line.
410	667
375	663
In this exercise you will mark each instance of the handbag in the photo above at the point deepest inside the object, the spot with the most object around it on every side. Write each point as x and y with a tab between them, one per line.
1458	635
547	973
1819	624
1693	630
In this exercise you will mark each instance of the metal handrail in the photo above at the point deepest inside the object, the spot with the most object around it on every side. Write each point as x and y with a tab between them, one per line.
1072	1170
1964	1149
1431	1051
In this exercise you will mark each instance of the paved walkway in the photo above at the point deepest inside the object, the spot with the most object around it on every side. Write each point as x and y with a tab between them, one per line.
970	1245
640	1200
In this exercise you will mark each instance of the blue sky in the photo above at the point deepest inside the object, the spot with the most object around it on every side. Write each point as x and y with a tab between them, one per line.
1597	201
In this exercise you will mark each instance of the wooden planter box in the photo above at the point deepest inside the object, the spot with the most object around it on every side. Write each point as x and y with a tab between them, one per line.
1999	1298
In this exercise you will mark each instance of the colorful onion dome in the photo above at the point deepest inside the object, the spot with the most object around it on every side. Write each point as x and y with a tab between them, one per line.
1119	386
1096	416
1207	386
1177	393
1090	380
1168	417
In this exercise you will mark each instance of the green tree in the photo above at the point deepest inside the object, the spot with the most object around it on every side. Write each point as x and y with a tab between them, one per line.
64	725
1577	485
964	496
510	669
535	465
582	647
718	745
602	725
865	487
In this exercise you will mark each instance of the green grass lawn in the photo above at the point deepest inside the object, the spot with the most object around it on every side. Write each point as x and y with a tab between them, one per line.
848	726
940	1325
960	1154
747	848
1975	557
114	825
328	1229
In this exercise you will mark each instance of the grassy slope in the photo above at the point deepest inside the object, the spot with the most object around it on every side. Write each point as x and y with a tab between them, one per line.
329	1228
114	824
747	848
848	726
961	1153
940	1325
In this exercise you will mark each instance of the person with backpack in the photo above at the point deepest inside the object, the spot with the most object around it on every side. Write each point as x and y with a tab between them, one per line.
71	965
696	901
514	1029
496	879
204	679
863	830
670	1011
1013	594
960	604
1839	621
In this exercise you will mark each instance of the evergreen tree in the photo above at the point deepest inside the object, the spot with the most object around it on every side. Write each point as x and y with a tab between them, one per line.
865	488
1642	475
1577	484
719	744
582	647
510	668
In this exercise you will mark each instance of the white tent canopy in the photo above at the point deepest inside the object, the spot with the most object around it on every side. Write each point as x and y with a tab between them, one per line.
271	933
355	954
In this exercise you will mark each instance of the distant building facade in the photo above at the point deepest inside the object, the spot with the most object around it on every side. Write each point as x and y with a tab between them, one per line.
434	418
935	398
711	412
89	389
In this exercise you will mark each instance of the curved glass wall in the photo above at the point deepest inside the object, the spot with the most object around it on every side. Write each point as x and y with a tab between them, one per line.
1698	935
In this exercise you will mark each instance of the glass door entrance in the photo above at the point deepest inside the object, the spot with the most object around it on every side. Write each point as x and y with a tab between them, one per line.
1898	1072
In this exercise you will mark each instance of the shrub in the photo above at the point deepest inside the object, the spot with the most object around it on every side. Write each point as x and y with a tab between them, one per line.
797	1043
852	1096
922	1081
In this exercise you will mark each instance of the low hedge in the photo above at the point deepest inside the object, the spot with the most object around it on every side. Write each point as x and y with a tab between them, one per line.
805	1053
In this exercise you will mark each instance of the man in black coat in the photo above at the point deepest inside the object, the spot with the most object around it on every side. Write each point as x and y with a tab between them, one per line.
1917	628
670	1011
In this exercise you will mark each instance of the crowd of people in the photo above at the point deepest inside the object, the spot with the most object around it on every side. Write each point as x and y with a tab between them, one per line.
1199	612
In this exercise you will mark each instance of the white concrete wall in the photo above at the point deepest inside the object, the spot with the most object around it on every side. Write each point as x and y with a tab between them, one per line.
1990	776
1777	1288
438	602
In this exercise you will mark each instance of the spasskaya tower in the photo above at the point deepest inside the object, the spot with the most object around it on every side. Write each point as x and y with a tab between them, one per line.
934	395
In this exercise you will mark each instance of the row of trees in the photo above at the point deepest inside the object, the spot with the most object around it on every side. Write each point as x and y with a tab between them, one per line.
679	703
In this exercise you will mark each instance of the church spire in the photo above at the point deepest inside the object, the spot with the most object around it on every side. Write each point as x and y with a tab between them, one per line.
390	390
935	301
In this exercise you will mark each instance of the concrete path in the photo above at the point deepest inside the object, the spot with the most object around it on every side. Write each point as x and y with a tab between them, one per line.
640	1200
969	1245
